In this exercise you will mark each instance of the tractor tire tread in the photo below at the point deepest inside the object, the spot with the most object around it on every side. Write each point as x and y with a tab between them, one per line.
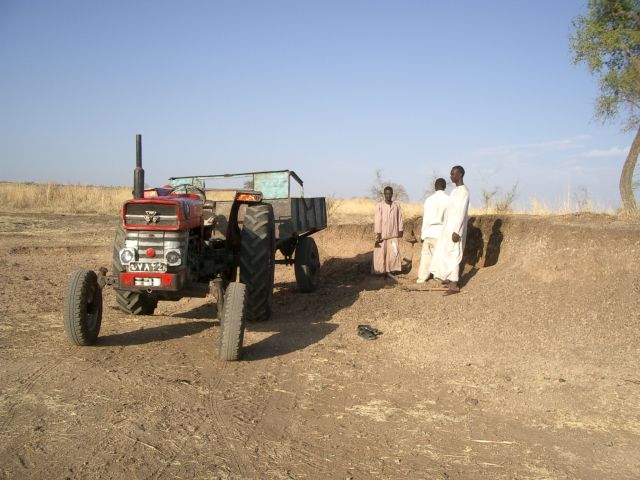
232	322
257	260
75	308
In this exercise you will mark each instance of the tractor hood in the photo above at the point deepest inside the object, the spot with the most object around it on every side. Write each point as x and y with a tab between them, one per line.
163	213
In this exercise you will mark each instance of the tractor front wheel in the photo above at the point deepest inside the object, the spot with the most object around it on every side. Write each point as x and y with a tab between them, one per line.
232	322
83	308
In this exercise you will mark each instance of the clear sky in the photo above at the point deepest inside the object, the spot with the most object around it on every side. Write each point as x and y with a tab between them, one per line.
331	89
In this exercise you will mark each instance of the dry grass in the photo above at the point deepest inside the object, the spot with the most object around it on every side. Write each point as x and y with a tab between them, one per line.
360	210
57	198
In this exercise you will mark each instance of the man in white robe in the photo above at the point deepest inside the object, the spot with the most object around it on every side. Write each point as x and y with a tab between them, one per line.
445	264
435	209
388	225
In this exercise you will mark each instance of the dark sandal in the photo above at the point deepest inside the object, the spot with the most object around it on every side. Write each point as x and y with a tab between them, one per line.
368	332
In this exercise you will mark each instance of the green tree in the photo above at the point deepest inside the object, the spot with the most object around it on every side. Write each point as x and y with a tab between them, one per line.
607	39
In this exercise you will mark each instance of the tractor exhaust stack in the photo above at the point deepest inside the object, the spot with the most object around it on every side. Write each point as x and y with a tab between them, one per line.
138	173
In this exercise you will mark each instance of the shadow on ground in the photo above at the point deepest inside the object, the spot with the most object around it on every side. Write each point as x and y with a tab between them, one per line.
303	319
479	253
155	334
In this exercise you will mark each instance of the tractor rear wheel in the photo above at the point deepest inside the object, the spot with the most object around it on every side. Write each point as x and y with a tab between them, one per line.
83	308
257	260
232	321
307	265
133	303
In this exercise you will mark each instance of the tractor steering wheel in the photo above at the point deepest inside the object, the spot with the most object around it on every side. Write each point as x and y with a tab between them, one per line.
188	190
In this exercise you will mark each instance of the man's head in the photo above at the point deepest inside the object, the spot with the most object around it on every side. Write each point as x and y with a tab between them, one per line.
457	175
440	184
388	194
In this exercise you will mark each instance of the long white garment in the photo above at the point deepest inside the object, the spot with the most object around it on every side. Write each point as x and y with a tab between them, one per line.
448	255
435	208
426	254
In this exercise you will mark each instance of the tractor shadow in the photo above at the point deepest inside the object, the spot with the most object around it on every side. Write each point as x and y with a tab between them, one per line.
302	319
160	333
205	311
203	317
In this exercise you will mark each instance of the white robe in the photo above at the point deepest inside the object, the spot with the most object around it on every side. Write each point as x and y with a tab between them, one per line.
448	255
435	209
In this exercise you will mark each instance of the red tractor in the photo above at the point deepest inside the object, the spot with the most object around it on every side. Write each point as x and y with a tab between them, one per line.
173	243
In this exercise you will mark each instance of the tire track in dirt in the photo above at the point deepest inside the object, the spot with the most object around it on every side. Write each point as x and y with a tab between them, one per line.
240	411
122	433
172	454
27	385
275	425
238	458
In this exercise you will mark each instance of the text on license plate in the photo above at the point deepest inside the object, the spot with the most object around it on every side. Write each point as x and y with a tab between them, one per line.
147	267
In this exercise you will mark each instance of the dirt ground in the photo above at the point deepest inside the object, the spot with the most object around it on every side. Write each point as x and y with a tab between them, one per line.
531	372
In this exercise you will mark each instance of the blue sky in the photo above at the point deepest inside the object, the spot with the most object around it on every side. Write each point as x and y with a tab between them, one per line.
333	90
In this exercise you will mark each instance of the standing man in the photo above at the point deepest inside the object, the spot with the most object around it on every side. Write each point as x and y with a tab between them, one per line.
388	227
445	264
435	208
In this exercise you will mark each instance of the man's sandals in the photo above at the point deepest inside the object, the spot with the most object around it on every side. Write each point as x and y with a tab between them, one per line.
368	332
451	291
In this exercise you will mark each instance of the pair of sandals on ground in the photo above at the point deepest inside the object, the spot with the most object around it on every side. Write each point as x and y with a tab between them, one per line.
368	332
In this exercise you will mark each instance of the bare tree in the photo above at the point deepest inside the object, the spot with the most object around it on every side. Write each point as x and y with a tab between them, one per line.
488	198
376	191
583	202
504	205
493	201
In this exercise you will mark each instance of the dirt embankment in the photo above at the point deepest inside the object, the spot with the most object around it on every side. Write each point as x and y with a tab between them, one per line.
531	372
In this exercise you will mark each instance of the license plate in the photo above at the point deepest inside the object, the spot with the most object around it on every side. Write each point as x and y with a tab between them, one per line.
147	267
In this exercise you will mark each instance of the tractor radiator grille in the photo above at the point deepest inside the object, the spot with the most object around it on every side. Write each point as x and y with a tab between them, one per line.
158	241
143	214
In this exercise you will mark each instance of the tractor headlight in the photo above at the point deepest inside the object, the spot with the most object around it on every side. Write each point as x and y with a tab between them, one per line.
173	257
127	255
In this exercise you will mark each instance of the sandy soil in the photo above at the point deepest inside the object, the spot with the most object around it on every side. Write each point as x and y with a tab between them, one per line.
530	373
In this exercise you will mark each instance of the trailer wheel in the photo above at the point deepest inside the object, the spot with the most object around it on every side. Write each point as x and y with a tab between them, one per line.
232	322
257	260
83	308
307	265
133	303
